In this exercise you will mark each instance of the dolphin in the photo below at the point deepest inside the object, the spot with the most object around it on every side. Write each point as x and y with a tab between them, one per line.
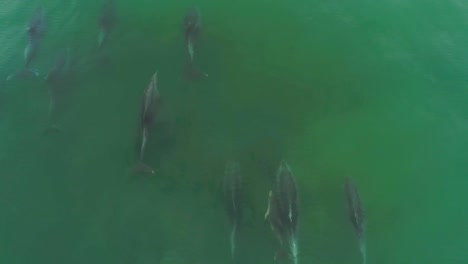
192	30
232	187
282	211
60	67
150	103
356	215
35	32
55	80
106	21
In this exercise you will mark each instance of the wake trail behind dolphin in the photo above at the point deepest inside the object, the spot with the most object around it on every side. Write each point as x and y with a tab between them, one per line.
233	240
294	250
363	250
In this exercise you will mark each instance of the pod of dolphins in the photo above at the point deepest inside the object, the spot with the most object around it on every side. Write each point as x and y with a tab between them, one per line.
282	210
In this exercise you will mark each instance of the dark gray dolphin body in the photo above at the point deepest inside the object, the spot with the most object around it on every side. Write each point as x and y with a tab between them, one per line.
282	210
35	32
106	21
356	214
192	30
232	189
149	107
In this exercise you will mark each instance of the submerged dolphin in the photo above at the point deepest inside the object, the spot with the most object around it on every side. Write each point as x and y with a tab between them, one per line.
35	31
192	30
106	21
282	211
356	215
56	79
151	100
232	187
60	67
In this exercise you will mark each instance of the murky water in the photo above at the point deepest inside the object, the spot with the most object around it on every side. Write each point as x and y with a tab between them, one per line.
372	90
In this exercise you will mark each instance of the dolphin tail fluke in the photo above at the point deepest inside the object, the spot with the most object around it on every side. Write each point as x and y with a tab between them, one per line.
363	250
200	73
52	129
33	72
193	72
232	240
24	74
141	167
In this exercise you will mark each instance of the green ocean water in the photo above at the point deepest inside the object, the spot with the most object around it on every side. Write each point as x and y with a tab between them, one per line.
376	90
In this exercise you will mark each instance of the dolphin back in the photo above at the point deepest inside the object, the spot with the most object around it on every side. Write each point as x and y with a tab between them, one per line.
37	25
151	97
286	193
355	208
232	185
